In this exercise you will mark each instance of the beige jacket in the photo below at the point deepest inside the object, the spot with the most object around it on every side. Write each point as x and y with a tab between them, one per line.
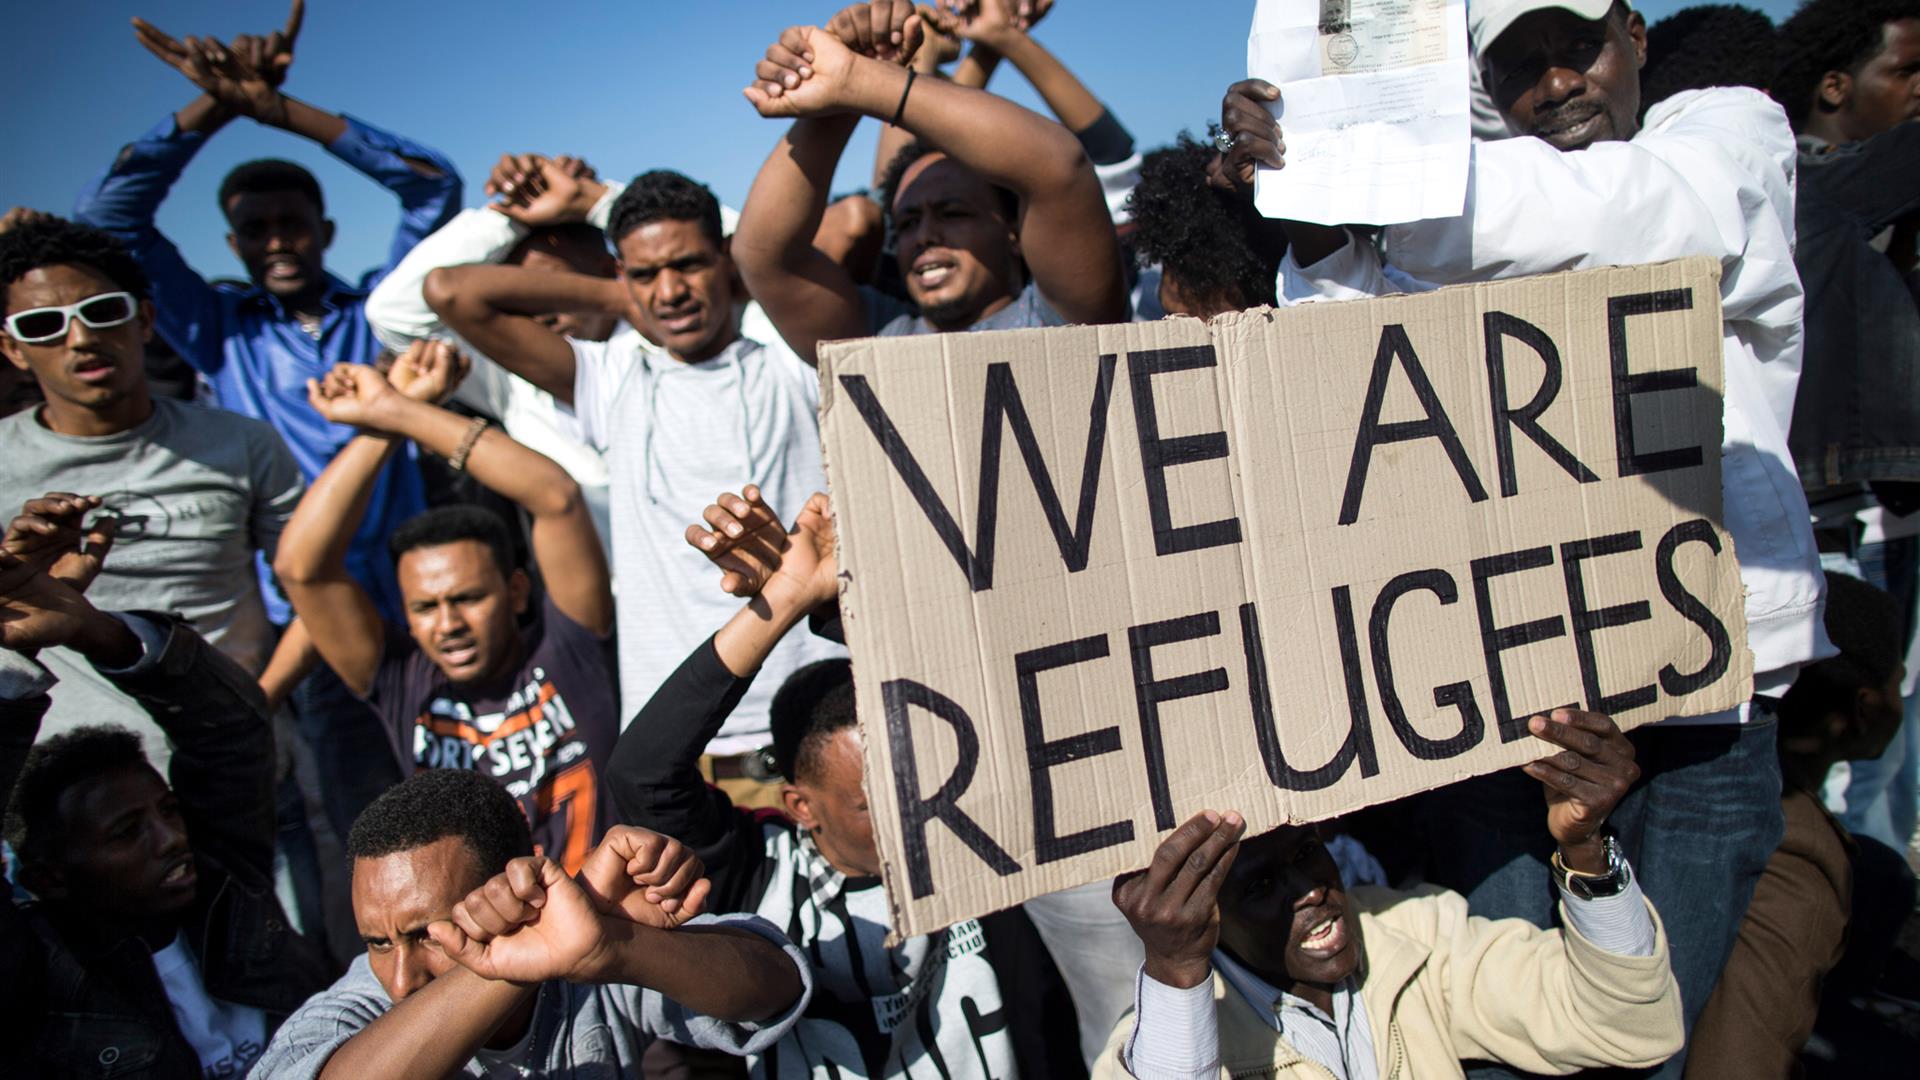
1441	986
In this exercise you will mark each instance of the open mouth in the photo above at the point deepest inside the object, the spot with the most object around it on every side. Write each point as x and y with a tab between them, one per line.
459	653
1571	126
283	267
1326	937
931	271
180	875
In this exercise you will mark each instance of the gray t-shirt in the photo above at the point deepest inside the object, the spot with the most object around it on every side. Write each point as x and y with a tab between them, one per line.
198	491
577	1029
892	317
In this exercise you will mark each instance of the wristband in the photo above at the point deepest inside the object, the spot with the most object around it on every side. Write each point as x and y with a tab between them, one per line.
901	109
458	462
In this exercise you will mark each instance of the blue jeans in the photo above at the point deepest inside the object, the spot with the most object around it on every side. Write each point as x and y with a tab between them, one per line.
351	749
1698	829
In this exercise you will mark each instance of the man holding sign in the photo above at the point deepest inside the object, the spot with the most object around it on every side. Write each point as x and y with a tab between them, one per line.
972	1001
1710	173
1255	951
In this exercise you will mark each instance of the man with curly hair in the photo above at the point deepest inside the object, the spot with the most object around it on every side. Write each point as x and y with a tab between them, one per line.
1707	45
149	942
197	492
1215	252
998	219
710	409
257	344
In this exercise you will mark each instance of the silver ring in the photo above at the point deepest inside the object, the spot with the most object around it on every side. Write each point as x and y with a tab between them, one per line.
1224	141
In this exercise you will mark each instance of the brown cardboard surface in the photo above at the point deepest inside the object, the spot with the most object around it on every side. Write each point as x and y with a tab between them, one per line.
1232	619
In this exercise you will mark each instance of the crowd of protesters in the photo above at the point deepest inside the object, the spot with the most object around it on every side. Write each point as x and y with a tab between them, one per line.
441	673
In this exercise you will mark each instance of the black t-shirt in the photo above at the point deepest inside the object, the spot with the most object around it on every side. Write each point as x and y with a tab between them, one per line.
544	733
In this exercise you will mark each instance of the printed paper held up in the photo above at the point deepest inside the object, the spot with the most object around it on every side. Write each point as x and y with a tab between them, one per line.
1374	108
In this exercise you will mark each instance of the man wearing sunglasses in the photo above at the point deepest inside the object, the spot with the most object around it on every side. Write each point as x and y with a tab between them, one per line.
258	346
195	492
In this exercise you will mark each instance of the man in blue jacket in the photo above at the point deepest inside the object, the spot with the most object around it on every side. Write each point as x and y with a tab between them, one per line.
260	344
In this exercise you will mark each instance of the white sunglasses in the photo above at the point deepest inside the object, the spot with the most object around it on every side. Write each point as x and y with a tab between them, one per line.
51	323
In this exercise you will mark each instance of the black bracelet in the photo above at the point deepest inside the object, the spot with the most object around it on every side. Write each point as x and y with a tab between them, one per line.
902	108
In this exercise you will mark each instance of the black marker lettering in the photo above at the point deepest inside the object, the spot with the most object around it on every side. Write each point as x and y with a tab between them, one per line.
1627	383
1473	727
1043	754
1158	454
1359	741
1003	409
1372	433
915	812
1150	693
1495	640
1690	608
1499	326
1587	620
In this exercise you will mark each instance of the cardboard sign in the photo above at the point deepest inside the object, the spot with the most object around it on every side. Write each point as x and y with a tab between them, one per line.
1290	563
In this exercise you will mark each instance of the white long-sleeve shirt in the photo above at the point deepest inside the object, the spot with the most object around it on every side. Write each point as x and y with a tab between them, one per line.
1711	173
398	312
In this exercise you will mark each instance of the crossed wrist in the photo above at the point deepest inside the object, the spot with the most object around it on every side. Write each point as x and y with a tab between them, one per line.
602	962
389	414
1001	41
271	110
600	214
873	87
788	600
107	642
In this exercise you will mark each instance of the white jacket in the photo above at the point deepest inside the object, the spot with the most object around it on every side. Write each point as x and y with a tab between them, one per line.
399	315
1711	173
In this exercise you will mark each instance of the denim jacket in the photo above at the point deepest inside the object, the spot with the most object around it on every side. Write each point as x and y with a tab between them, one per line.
1857	416
87	1004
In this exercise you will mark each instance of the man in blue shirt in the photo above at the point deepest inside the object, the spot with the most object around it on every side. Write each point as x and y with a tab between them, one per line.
259	345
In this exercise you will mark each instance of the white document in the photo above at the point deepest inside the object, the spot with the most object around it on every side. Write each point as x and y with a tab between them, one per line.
1374	109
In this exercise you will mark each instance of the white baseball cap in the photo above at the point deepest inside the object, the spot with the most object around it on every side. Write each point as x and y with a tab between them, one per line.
1488	19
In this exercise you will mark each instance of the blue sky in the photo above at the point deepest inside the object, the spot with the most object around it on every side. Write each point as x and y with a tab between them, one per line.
627	85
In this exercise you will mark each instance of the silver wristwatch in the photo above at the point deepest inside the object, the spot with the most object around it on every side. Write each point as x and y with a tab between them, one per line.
1594	886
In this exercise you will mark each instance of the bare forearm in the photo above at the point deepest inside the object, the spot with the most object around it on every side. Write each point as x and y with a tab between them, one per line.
494	308
1064	93
433	1032
303	119
973	71
293	658
1006	144
790	194
317	536
106	641
975	68
511	290
727	974
203	115
509	469
748	638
